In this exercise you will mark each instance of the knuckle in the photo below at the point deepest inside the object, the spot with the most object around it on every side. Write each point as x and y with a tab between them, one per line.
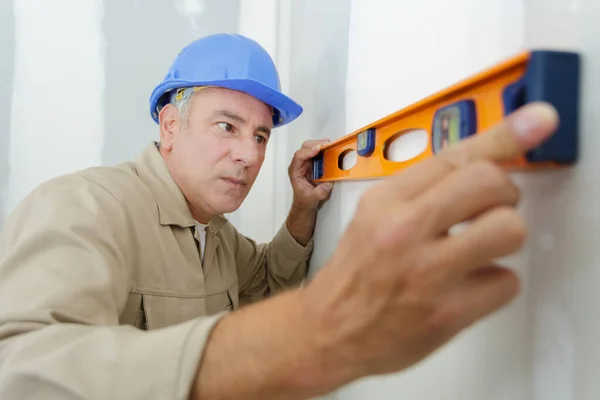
399	228
495	181
488	172
306	145
423	210
510	285
513	226
423	277
455	157
444	319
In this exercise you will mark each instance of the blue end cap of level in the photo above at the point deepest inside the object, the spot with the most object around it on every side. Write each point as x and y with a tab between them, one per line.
553	77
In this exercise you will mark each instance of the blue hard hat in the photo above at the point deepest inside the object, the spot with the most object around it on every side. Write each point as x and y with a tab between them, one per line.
229	61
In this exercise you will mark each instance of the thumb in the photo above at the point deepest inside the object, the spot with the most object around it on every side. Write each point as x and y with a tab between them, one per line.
323	189
522	130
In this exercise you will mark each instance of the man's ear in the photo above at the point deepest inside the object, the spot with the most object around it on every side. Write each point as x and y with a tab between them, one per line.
168	121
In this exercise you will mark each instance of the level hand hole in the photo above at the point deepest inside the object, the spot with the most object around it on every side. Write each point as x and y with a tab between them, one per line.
347	159
406	145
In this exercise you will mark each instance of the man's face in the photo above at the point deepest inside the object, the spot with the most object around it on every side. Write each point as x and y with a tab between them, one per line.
216	158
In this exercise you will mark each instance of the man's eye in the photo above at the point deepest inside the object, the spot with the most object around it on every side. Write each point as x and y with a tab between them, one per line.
260	139
225	126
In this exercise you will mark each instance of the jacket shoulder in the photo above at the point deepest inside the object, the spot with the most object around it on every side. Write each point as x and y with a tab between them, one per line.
122	181
124	184
96	187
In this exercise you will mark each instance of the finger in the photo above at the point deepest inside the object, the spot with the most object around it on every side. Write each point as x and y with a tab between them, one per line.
496	233
309	149
306	154
522	130
483	292
300	164
467	193
312	143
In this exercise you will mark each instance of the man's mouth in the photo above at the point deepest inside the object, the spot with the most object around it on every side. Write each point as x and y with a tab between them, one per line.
236	182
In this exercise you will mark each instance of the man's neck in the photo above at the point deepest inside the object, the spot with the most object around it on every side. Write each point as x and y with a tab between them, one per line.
200	216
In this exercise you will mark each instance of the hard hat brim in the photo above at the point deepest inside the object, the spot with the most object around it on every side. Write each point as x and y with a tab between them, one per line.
287	108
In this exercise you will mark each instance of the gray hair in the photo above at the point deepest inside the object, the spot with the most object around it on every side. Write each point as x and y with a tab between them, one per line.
183	107
180	99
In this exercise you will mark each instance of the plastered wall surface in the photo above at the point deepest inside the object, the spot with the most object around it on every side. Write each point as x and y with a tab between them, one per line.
318	59
561	207
56	120
7	44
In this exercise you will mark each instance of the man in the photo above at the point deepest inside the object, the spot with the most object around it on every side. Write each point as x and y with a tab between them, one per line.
109	290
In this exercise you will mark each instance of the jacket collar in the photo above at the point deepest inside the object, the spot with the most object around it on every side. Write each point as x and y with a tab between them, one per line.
173	208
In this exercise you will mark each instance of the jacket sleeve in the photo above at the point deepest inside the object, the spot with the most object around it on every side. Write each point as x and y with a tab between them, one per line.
267	268
63	284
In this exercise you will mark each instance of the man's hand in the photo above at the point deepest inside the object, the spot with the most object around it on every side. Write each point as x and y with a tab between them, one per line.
398	285
307	194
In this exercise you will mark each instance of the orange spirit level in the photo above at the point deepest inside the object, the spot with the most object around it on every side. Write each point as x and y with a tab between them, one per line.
469	108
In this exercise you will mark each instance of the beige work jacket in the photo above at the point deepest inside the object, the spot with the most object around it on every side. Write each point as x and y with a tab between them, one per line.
102	291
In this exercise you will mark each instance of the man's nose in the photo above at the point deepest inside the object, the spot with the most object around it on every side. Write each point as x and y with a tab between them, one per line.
246	151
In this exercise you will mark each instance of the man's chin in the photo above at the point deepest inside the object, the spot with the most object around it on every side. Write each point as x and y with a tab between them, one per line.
227	206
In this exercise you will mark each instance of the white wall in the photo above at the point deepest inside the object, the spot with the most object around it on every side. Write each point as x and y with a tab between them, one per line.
7	62
56	123
561	207
318	58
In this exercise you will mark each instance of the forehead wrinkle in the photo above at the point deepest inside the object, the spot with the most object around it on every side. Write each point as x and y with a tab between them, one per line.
229	114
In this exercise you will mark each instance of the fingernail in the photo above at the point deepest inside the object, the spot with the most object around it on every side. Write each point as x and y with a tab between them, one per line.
328	186
317	147
532	121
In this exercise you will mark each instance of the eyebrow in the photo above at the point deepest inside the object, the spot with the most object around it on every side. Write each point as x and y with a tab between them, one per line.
237	118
